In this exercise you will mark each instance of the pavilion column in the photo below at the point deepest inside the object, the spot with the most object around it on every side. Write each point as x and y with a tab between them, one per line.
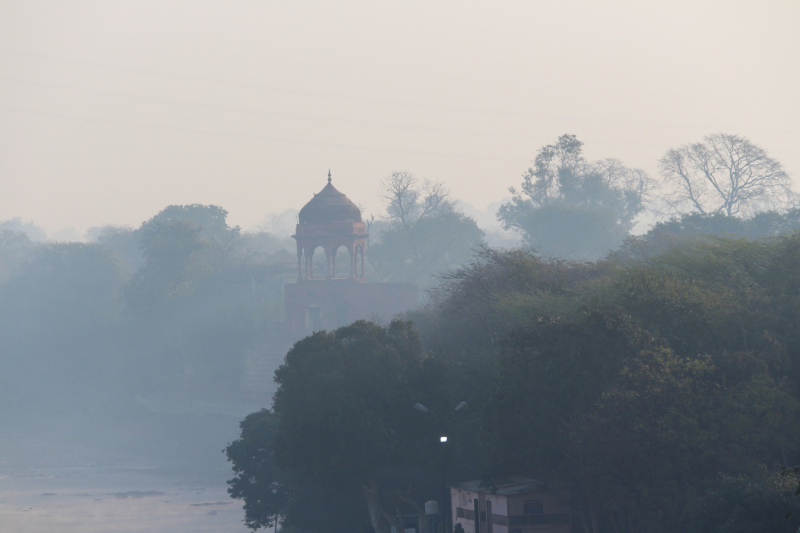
328	263
362	262
352	262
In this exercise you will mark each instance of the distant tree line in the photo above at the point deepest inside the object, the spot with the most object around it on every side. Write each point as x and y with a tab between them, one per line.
571	208
653	376
164	310
660	391
167	310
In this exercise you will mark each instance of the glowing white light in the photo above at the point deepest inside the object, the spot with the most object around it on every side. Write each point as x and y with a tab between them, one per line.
442	439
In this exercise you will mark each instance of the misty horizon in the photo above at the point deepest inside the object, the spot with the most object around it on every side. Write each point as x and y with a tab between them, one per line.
399	267
111	113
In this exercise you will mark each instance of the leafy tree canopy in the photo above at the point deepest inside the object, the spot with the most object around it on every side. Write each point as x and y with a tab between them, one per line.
639	384
569	207
34	232
424	234
437	244
210	218
58	313
345	422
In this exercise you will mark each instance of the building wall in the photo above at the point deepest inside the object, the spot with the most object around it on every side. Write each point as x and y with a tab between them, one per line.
463	506
500	508
554	512
261	360
462	503
328	305
510	513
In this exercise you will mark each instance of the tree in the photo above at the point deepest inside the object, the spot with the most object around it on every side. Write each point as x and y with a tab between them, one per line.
476	305
658	439
639	384
425	234
34	232
570	207
174	263
225	243
571	231
16	248
637	432
346	424
549	373
58	323
438	243
258	481
725	174
124	241
274	494
181	245
408	202
760	503
210	218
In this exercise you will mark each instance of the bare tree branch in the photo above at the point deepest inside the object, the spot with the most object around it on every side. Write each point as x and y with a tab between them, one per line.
408	202
725	174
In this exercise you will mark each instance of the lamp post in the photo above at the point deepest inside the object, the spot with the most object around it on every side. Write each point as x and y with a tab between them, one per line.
445	509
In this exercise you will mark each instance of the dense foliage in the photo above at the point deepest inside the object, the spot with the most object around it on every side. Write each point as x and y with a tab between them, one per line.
437	244
343	425
570	207
658	385
163	312
637	383
423	233
659	390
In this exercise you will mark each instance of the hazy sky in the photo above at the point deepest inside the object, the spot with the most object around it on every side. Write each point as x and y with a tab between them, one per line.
111	110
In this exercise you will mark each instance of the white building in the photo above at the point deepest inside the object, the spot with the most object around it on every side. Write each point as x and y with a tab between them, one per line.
521	505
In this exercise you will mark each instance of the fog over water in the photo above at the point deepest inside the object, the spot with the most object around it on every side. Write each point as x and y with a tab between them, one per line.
154	157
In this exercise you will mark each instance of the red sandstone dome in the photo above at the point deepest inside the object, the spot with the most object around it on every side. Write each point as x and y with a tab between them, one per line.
329	205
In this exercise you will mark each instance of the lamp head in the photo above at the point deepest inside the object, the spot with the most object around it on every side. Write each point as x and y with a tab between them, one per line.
420	407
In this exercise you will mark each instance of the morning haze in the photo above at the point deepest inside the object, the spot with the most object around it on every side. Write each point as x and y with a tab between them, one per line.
364	267
104	104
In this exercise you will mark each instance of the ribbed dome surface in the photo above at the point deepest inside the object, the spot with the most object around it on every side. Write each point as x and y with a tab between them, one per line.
329	205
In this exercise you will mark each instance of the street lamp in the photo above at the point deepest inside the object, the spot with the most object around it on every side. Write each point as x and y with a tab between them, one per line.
446	511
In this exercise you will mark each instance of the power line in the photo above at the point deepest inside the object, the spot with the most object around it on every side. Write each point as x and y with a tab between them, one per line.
256	137
363	99
259	112
262	57
268	88
243	110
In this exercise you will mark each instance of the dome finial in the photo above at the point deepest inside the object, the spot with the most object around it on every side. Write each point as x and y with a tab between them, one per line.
329	175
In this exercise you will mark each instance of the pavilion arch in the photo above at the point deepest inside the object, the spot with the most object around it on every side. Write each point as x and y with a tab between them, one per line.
341	262
319	262
331	289
358	260
330	221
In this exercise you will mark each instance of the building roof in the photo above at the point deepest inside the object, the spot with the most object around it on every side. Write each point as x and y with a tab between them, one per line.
329	205
514	485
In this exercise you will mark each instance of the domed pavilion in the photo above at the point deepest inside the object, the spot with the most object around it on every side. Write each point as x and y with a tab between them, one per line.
327	298
330	221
